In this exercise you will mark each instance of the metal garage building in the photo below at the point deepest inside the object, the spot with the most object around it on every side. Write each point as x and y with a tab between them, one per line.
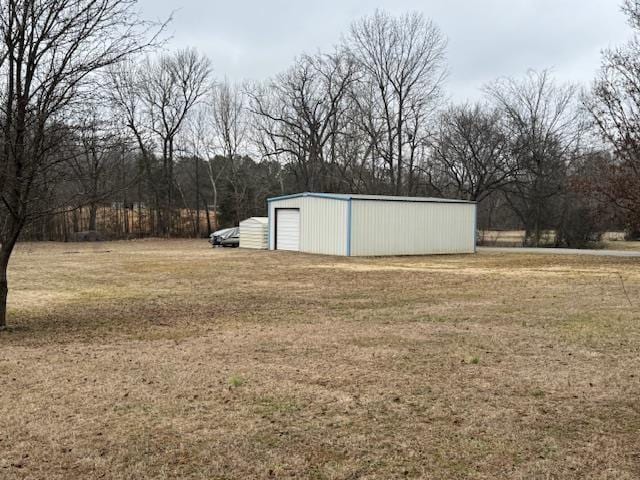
362	225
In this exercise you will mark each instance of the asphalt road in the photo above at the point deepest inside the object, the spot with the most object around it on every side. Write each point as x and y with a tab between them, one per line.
561	251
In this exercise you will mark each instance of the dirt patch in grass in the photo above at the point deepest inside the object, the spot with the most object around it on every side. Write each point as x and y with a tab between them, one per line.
168	359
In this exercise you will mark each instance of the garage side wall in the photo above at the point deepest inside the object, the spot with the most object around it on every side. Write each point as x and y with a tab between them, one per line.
323	224
403	228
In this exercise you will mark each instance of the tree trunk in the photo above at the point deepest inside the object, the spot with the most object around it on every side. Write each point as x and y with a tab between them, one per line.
169	215
65	226
75	222
399	160
5	255
215	205
93	215
4	290
206	208
197	232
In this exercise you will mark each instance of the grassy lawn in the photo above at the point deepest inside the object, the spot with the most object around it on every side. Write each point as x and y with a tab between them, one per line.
618	245
515	238
168	359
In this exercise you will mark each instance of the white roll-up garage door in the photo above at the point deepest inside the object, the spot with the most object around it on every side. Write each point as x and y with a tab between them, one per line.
288	229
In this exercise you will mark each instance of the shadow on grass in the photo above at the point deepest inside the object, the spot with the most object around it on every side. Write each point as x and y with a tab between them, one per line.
94	323
166	318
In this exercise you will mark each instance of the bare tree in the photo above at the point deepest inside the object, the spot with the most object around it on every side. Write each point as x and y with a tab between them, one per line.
545	128
171	87
403	59
100	150
154	101
300	113
218	134
229	119
469	153
123	90
198	139
50	51
363	141
614	106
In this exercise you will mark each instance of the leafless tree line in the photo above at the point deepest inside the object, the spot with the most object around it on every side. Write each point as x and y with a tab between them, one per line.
369	117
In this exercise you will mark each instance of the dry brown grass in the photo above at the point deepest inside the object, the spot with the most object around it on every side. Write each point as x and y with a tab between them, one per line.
510	238
167	359
515	238
622	245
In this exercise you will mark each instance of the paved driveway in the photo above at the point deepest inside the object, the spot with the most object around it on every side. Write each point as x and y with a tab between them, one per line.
562	251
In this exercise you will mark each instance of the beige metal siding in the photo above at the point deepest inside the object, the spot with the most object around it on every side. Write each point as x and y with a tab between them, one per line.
323	224
412	228
253	234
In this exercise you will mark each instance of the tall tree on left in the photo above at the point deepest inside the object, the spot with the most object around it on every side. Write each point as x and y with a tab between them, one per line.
51	53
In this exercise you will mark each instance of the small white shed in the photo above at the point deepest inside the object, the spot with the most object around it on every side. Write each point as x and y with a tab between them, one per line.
254	233
371	225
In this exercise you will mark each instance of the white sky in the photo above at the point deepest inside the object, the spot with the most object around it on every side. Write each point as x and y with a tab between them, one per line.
255	39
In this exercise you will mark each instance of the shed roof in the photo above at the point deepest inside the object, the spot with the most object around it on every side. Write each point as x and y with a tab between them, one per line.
379	198
263	220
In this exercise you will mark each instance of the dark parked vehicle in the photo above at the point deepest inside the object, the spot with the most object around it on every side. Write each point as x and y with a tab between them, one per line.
227	237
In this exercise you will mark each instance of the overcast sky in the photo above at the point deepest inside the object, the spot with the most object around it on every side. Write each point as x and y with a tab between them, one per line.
254	39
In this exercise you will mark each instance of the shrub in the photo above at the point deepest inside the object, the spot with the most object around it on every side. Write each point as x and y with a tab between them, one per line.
578	227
